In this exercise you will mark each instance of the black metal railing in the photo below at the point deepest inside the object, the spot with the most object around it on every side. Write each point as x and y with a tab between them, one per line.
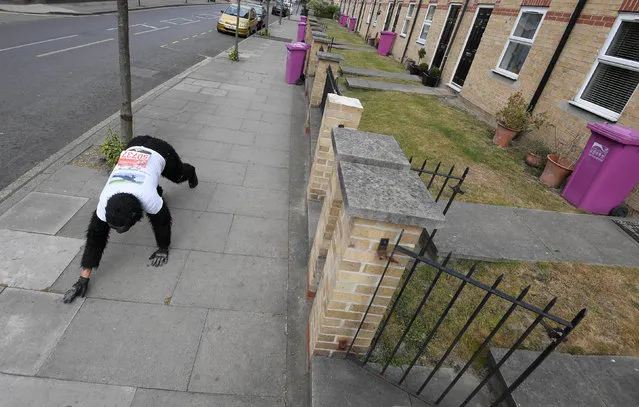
542	317
436	181
330	46
329	87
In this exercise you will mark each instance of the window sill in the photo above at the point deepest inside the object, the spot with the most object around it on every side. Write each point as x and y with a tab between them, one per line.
421	42
402	35
454	87
596	112
505	74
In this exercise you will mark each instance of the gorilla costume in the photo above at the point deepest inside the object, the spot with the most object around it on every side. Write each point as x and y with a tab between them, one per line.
131	190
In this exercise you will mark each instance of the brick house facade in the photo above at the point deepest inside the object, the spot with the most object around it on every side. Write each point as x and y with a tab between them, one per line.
594	79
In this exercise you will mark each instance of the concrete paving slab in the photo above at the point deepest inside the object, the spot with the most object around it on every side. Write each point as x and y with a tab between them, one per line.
211	150
258	237
20	391
77	226
259	155
71	180
191	230
559	381
163	398
240	283
270	117
125	274
41	213
209	107
216	120
357	83
165	102
260	127
226	135
170	131
181	94
31	323
380	74
180	196
241	353
263	203
34	261
276	142
220	172
261	176
125	343
582	238
616	378
173	115
339	382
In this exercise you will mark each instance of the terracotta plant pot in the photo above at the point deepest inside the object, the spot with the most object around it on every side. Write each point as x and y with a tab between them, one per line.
503	136
534	160
556	171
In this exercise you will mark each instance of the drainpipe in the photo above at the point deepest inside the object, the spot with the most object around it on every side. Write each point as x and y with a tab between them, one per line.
412	28
452	40
371	22
555	57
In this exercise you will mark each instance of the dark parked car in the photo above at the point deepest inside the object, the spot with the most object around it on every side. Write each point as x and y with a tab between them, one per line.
280	7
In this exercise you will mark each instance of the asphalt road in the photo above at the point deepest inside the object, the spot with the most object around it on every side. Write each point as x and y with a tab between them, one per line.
59	75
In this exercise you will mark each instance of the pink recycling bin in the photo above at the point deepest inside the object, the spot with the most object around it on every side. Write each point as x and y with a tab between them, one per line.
342	19
301	30
385	42
351	23
295	56
607	170
303	18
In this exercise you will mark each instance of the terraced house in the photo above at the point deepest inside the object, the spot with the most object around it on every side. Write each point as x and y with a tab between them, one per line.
577	60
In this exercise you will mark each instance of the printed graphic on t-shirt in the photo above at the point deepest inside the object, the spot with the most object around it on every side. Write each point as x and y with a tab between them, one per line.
122	176
133	160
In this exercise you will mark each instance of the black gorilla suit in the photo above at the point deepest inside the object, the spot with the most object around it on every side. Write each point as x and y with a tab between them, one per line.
123	210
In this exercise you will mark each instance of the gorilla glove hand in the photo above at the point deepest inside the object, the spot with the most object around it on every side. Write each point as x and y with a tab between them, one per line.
160	257
78	289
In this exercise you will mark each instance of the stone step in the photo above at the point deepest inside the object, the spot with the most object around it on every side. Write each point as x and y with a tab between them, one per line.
357	83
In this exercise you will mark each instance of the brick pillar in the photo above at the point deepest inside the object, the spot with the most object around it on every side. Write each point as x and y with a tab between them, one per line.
349	145
338	110
353	267
312	59
325	60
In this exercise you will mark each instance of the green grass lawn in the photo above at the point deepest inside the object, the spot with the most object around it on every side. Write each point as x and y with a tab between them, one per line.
611	295
427	128
340	33
369	60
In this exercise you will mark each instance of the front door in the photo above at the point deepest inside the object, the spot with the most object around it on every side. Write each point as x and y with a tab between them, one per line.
447	32
389	15
399	10
474	38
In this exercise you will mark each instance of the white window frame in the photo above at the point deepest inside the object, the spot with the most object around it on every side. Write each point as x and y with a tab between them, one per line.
472	24
370	13
618	62
430	23
520	40
407	19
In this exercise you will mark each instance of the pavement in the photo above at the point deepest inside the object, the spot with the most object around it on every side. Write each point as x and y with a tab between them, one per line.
223	323
488	232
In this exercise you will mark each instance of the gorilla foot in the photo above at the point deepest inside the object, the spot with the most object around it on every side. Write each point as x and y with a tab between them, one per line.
159	258
193	180
78	289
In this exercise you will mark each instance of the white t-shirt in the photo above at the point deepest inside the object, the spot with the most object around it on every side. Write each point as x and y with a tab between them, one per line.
138	173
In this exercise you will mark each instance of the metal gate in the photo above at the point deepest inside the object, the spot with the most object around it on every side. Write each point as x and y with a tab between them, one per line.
554	327
329	87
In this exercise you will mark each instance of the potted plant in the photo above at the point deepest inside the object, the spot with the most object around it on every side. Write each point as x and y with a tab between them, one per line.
514	118
559	165
534	151
431	77
409	64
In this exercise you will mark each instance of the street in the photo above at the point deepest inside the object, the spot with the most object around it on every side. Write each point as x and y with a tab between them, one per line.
59	74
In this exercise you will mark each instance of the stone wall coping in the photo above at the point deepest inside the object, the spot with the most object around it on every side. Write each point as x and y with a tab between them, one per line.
362	147
320	34
344	101
388	195
323	40
327	56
